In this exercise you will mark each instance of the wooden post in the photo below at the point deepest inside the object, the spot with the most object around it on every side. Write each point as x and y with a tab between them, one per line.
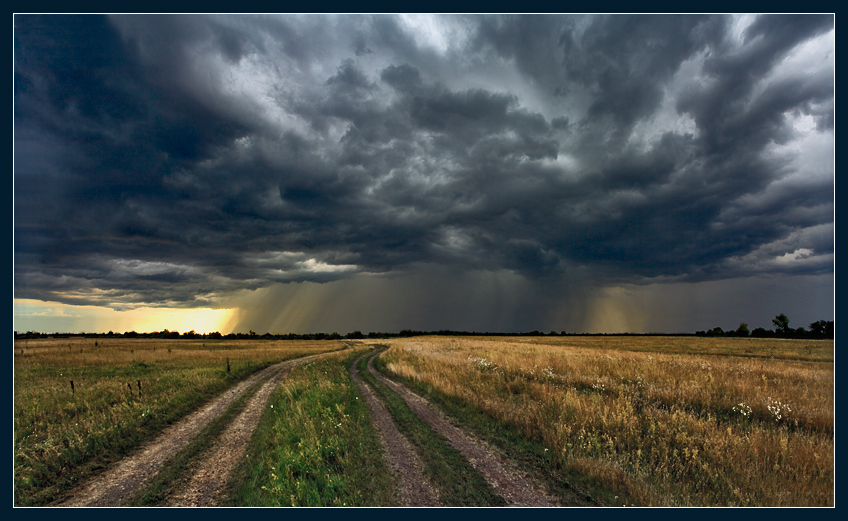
139	388
129	385
72	388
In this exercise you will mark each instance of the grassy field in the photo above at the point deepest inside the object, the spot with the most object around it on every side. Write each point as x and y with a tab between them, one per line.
63	434
645	420
672	421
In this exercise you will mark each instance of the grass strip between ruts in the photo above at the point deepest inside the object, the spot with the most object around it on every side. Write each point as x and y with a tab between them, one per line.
315	445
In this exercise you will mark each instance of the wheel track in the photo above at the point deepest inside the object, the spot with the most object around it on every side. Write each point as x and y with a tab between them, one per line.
123	480
413	487
209	476
514	485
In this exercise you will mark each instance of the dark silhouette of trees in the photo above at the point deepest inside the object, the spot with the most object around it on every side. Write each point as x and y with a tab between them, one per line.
781	323
818	329
761	332
822	328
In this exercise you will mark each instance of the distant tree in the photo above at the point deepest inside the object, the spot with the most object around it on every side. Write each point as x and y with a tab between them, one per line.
817	328
169	334
822	329
781	323
355	334
742	330
716	331
761	333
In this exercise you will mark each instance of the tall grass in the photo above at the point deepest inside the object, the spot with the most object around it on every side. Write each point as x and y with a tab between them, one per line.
660	428
315	445
63	435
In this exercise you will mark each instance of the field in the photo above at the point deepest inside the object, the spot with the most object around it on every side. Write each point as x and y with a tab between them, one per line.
647	421
745	422
124	392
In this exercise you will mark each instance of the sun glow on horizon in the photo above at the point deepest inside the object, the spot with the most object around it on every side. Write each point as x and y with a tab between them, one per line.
55	317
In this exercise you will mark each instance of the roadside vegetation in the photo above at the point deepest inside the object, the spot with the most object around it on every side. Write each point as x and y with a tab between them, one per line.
315	445
81	404
644	421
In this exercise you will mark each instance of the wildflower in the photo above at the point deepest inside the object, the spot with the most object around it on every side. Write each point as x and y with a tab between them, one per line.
742	409
777	408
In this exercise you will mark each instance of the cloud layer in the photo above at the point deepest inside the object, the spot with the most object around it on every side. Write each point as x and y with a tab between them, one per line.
176	160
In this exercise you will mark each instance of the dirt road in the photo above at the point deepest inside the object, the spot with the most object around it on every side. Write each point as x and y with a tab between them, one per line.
118	483
413	487
513	485
208	475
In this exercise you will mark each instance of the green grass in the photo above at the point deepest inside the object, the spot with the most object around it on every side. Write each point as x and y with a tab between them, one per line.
64	437
315	445
459	484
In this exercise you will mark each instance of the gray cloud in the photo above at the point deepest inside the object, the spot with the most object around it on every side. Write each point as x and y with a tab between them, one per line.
176	160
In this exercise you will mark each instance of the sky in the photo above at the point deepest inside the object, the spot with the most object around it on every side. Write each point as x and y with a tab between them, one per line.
306	173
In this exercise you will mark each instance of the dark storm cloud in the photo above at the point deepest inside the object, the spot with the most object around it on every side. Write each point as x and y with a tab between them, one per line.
172	160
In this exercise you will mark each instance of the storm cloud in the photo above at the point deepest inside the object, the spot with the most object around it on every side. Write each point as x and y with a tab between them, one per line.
181	160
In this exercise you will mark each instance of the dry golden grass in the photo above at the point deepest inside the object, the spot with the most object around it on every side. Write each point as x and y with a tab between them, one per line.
726	425
61	434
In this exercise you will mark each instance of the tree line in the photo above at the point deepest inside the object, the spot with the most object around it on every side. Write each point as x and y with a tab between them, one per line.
817	329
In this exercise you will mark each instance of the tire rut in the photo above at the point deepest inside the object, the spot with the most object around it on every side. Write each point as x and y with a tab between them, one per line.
414	489
514	485
209	476
120	482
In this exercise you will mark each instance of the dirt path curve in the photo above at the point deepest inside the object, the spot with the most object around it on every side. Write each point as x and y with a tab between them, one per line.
115	485
209	477
512	484
413	487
